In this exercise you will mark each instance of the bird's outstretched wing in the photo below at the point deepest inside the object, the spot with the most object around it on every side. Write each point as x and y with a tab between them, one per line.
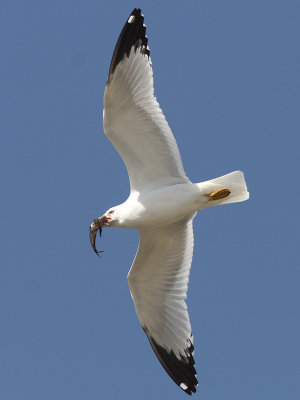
132	118
158	281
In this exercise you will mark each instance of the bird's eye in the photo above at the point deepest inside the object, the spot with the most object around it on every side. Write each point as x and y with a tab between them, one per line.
111	212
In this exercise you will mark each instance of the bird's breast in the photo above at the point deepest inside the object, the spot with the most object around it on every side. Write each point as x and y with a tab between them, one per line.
161	206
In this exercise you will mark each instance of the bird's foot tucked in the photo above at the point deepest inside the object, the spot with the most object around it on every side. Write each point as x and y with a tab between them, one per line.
218	194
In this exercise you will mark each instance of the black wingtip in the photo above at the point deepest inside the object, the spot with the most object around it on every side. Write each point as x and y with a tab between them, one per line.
182	370
133	34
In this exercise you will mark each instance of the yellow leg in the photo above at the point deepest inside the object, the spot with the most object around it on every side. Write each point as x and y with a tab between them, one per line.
218	194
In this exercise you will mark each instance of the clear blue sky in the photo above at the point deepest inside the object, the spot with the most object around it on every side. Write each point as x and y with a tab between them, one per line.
227	75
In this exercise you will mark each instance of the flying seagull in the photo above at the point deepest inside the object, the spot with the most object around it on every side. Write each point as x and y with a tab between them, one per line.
162	203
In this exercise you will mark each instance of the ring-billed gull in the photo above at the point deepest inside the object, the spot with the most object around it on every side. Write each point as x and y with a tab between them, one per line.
161	205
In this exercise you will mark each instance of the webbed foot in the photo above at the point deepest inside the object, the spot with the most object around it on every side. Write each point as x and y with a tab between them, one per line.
218	194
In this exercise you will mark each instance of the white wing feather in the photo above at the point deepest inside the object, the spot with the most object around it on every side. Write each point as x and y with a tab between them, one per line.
136	126
158	281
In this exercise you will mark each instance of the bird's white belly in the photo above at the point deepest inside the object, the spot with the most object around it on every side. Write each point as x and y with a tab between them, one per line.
162	206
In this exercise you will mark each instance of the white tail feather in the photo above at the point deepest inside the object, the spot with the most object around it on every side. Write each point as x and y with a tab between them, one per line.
234	181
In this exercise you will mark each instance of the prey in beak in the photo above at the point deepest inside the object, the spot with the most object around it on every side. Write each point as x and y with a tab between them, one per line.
97	225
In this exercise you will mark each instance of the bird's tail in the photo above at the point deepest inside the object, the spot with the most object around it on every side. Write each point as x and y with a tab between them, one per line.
233	182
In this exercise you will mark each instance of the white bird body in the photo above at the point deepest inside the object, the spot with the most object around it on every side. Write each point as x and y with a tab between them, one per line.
161	205
169	204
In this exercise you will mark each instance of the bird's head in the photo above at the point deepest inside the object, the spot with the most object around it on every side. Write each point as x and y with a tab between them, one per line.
111	217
